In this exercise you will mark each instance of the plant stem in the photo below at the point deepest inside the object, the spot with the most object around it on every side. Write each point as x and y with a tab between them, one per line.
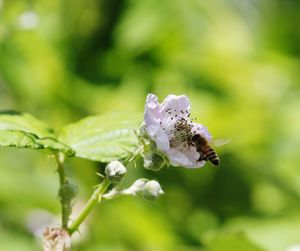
95	198
63	179
61	171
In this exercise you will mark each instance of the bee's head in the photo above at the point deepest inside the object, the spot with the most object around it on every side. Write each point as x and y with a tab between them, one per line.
195	137
199	139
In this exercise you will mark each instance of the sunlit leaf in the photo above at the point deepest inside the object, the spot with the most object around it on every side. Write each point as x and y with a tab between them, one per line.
22	130
11	120
18	139
54	145
21	139
103	138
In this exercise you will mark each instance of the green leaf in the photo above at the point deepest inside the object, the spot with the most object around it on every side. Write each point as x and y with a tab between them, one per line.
21	139
54	145
11	120
103	138
18	139
25	131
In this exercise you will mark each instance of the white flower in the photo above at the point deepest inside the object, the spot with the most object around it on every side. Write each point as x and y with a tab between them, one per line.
169	126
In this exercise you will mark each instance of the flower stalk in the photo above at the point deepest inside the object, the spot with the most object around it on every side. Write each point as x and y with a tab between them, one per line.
95	198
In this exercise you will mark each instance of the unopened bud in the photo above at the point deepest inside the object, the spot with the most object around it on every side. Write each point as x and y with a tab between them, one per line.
135	187
152	190
148	189
115	171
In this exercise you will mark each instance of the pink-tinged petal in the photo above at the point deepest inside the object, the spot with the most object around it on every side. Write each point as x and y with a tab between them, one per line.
181	102
202	130
174	107
186	158
199	164
193	156
177	158
161	139
152	115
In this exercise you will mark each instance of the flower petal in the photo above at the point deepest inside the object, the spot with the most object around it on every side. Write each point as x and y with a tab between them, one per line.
161	139
202	130
193	156
187	158
178	103
177	158
152	115
174	107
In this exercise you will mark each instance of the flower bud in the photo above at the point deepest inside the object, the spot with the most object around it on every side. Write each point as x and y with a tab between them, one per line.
148	189
152	190
115	171
135	187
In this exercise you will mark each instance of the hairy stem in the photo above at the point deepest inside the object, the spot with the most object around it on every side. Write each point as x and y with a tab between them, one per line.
94	199
63	180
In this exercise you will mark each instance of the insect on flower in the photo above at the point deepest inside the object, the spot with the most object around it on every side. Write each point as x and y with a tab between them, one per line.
176	136
204	149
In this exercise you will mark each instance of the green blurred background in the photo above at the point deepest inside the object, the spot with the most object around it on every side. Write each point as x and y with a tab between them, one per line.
238	61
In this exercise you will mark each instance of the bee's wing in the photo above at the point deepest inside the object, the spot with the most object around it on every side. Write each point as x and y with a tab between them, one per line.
219	141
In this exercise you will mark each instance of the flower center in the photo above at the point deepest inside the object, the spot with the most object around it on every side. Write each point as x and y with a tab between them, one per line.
179	128
180	134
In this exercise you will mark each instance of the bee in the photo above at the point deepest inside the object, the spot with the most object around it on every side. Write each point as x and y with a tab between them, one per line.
183	133
206	152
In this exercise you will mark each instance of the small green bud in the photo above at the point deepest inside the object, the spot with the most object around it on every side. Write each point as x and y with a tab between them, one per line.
115	171
68	191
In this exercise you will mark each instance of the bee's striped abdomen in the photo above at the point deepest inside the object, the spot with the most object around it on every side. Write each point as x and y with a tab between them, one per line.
211	155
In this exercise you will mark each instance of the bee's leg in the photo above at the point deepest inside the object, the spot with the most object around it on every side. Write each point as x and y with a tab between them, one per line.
191	144
202	157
